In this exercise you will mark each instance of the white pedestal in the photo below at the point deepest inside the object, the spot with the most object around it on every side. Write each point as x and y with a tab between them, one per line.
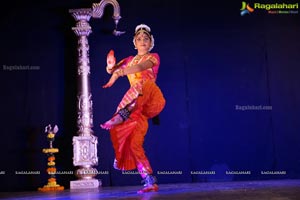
85	184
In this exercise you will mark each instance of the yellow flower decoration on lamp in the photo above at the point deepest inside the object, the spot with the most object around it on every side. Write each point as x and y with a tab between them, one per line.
51	135
51	163
51	170
51	158
50	150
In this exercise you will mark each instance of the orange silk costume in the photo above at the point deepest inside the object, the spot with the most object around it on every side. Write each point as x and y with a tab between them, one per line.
128	137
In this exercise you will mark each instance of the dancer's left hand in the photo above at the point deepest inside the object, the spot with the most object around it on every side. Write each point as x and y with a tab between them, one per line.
111	81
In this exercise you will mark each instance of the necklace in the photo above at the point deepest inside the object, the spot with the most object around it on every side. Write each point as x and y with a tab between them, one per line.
137	59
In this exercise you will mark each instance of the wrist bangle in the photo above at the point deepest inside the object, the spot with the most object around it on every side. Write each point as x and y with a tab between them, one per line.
122	72
119	72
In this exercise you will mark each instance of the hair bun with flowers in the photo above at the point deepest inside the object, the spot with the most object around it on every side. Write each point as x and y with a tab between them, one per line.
142	26
146	29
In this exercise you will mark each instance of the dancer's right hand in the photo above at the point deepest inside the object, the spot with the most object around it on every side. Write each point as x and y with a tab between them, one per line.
111	59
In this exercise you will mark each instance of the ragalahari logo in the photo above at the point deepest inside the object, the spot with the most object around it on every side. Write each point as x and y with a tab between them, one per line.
246	9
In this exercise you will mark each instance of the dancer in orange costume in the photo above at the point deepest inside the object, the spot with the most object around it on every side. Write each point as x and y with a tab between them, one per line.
143	100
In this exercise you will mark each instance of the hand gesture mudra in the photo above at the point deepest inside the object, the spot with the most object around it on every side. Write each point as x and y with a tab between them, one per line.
111	59
111	62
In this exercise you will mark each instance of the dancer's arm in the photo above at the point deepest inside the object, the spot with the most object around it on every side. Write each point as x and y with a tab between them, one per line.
112	80
112	69
131	70
150	62
136	68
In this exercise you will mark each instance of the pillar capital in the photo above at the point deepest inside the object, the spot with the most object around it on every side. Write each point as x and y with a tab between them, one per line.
82	17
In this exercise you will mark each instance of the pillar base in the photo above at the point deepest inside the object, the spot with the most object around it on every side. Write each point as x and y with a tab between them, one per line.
85	184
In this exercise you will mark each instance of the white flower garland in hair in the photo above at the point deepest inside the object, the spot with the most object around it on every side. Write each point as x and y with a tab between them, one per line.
142	26
149	30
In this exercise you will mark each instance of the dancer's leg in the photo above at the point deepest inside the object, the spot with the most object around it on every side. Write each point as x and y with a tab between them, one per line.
142	164
116	119
119	117
149	184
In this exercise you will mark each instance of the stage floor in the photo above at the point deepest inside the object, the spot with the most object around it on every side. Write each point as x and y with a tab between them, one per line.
254	190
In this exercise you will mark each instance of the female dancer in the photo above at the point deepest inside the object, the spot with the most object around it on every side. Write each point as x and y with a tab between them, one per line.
143	100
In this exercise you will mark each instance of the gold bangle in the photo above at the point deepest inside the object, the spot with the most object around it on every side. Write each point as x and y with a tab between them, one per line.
120	72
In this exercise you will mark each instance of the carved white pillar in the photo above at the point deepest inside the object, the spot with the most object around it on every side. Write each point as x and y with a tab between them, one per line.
85	144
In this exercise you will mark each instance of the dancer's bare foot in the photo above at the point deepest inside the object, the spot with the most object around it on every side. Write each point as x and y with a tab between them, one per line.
107	125
117	119
148	188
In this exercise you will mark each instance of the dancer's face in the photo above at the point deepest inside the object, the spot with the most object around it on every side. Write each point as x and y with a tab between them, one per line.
142	42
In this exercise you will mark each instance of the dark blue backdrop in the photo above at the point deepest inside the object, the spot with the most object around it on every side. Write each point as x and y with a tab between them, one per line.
212	61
